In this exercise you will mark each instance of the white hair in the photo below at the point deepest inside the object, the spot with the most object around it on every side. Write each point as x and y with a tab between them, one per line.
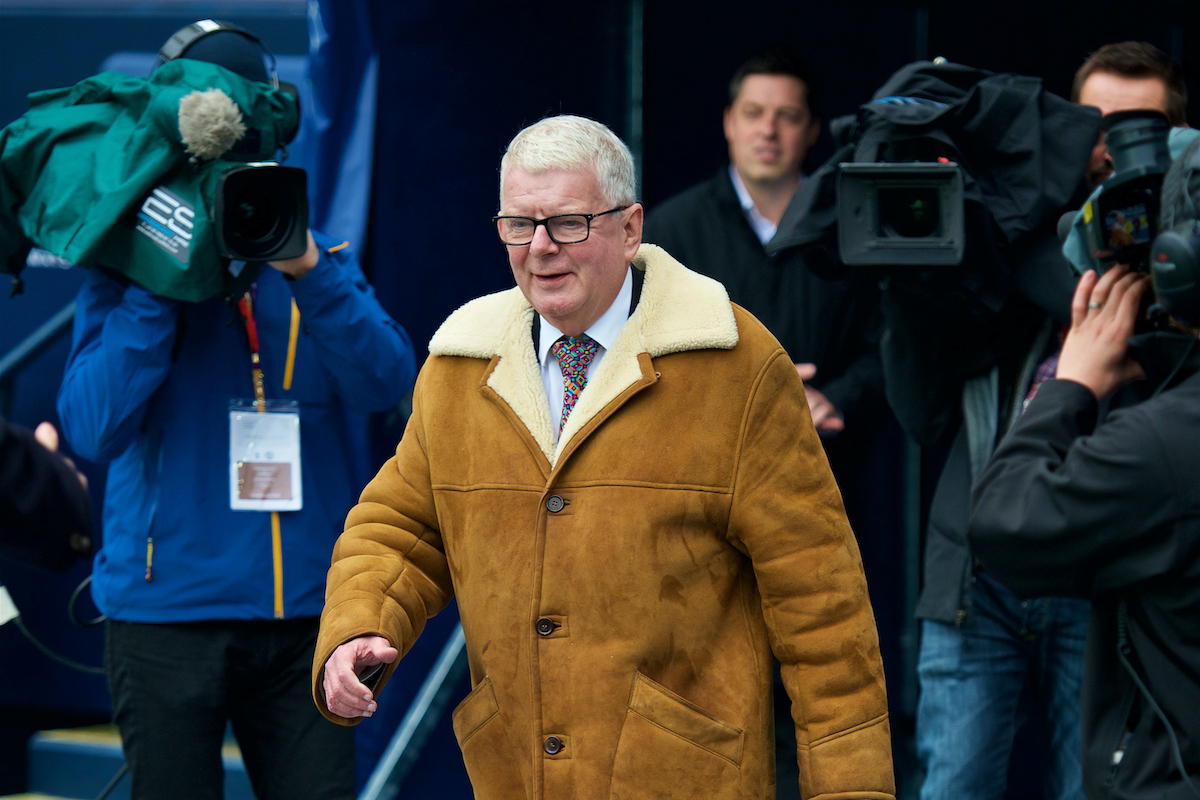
574	144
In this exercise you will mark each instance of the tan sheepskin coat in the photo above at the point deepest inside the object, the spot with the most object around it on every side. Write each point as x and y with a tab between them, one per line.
684	528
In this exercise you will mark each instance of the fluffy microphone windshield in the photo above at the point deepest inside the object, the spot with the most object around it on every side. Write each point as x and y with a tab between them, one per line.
209	123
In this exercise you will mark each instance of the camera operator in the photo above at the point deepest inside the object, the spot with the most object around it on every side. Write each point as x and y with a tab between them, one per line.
1112	512
958	372
45	518
212	608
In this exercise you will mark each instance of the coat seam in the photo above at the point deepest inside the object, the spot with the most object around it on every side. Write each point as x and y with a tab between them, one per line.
751	396
838	735
768	609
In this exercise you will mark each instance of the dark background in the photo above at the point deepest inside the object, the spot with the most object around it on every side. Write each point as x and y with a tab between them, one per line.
457	81
855	46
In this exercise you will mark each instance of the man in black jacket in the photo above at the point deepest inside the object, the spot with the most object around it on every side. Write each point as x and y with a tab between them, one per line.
719	228
958	371
1112	513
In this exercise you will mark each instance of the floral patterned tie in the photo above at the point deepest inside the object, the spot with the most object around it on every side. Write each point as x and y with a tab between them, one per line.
574	353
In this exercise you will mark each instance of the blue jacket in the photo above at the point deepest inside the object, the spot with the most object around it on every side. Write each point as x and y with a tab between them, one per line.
147	388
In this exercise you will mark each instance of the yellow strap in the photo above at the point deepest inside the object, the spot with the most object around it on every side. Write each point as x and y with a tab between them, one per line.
337	247
289	369
293	336
277	558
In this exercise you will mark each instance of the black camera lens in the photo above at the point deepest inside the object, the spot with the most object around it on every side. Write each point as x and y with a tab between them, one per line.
262	213
254	216
909	211
1137	141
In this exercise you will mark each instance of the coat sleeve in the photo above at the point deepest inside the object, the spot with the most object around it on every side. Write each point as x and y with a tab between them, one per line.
1059	506
120	354
389	572
367	354
787	515
45	519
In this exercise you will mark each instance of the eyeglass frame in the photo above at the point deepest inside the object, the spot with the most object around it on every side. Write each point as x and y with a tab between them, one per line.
545	222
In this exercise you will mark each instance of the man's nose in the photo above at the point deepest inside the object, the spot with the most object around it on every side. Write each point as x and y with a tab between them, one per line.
770	125
542	243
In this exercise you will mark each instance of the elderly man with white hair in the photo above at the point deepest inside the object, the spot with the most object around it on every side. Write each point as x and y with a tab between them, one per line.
614	471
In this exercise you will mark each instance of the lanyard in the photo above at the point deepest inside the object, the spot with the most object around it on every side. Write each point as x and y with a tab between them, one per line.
246	308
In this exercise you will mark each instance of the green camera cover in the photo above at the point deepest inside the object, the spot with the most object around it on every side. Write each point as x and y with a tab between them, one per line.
98	174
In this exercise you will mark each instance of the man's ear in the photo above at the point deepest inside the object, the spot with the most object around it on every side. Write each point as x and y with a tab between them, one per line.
633	230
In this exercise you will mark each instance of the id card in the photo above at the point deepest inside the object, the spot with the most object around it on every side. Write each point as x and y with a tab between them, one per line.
264	456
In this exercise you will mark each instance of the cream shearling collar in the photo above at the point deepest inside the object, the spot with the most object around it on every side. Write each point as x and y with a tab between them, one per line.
679	310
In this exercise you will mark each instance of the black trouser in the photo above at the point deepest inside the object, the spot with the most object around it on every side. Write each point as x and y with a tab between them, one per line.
175	686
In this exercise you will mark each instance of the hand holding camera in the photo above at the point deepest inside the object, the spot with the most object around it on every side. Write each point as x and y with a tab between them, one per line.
1104	311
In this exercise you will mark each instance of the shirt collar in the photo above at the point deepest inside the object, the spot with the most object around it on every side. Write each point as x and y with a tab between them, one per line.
763	227
604	330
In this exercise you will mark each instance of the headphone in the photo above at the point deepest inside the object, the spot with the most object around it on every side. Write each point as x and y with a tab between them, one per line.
188	35
1175	252
1175	268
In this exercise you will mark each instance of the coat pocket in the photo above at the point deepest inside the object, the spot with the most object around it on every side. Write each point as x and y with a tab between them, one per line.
671	748
491	762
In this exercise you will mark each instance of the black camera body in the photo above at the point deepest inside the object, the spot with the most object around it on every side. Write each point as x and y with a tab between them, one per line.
1122	221
1144	216
908	213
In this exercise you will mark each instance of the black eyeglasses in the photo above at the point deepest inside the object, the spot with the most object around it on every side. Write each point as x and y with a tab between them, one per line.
562	228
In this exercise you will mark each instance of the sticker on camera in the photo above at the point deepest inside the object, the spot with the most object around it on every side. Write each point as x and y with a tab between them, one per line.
166	219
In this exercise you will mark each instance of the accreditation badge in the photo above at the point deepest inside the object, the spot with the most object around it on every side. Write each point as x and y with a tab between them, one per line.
264	456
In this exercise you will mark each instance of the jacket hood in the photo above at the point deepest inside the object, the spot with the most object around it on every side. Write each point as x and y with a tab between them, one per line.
679	310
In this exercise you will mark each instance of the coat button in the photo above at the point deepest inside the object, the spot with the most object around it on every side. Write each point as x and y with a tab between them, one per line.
553	745
554	504
545	626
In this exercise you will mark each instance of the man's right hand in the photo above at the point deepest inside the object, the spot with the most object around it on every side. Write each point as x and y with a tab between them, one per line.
345	694
1103	315
826	417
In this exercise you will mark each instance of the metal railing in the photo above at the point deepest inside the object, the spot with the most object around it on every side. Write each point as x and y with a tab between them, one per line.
32	347
419	721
